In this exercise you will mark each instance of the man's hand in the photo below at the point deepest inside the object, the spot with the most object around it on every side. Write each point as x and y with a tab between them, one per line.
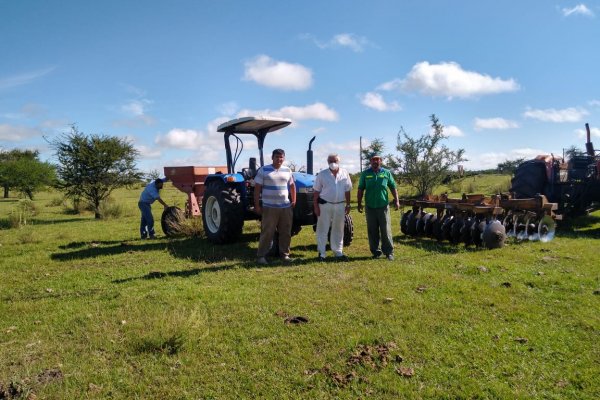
360	208
258	209
317	210
396	204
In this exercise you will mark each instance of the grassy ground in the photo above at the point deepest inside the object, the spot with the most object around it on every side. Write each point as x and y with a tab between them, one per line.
89	311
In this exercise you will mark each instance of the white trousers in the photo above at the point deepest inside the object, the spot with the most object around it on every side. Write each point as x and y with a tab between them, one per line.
332	216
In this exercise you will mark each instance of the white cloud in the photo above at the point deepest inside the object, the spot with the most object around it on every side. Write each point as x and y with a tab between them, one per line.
14	133
278	74
148	152
136	113
453	131
318	111
580	9
494	123
450	80
377	102
582	134
594	103
24	78
492	159
228	108
570	114
344	40
394	84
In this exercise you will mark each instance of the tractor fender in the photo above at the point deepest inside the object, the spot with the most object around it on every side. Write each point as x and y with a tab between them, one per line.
225	178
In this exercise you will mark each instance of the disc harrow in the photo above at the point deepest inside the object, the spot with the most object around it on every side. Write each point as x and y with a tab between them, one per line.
479	220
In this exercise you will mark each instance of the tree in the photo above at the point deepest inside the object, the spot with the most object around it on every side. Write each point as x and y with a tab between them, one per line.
22	170
424	162
509	166
573	151
376	147
91	167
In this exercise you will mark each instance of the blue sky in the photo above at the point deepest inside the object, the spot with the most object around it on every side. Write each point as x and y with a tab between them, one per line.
508	79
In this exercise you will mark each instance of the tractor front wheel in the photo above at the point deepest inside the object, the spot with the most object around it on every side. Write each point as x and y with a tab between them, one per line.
222	213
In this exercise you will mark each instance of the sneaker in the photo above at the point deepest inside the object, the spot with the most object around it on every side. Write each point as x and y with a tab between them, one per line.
287	259
343	257
320	258
390	257
377	255
262	261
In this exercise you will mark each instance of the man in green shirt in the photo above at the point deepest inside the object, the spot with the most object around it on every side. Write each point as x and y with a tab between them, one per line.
374	184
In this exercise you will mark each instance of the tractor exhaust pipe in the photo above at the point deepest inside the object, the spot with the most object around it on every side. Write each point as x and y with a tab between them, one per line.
589	146
309	157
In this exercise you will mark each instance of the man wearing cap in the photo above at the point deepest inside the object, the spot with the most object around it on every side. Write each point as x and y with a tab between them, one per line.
275	184
331	202
150	194
374	184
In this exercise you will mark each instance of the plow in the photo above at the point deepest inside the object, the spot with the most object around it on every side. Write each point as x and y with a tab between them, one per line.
479	220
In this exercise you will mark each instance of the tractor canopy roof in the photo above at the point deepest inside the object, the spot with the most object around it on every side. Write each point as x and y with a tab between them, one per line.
254	125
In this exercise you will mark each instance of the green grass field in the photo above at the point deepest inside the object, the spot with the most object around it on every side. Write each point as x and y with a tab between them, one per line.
87	310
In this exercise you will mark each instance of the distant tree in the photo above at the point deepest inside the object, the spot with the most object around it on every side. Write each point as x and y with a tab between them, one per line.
153	175
376	147
423	163
91	167
22	170
295	167
509	166
573	151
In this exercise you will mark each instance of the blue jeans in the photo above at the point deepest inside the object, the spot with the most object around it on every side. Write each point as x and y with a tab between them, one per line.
147	223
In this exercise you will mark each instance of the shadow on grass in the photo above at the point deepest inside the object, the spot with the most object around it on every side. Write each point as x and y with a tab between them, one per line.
584	226
433	246
38	221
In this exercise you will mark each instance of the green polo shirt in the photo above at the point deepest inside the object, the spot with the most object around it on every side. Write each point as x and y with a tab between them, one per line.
376	187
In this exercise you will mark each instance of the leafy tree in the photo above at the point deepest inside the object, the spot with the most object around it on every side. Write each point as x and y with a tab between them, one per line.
376	147
91	167
22	170
423	163
509	166
573	151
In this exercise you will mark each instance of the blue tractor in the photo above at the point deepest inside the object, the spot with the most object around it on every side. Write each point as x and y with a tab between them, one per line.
227	198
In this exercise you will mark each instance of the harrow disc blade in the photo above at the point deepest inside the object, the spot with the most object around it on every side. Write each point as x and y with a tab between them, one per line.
437	228
411	223
494	235
403	221
429	225
546	229
447	228
465	231
455	230
476	232
421	224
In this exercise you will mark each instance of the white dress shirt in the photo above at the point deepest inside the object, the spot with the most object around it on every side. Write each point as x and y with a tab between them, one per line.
333	188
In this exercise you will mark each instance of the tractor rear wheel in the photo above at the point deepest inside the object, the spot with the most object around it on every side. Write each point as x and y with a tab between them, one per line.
222	213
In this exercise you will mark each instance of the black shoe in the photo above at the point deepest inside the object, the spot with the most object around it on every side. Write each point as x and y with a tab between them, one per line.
321	259
377	255
343	257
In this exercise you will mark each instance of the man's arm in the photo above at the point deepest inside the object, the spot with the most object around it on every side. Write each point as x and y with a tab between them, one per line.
257	191
316	207
162	202
347	194
396	201
293	193
359	197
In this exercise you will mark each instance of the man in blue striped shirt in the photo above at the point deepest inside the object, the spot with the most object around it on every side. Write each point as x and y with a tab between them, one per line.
276	185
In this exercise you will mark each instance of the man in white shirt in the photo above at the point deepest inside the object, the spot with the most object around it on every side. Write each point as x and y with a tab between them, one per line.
331	201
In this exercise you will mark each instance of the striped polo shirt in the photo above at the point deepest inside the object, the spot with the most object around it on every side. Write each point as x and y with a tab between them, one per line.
275	184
